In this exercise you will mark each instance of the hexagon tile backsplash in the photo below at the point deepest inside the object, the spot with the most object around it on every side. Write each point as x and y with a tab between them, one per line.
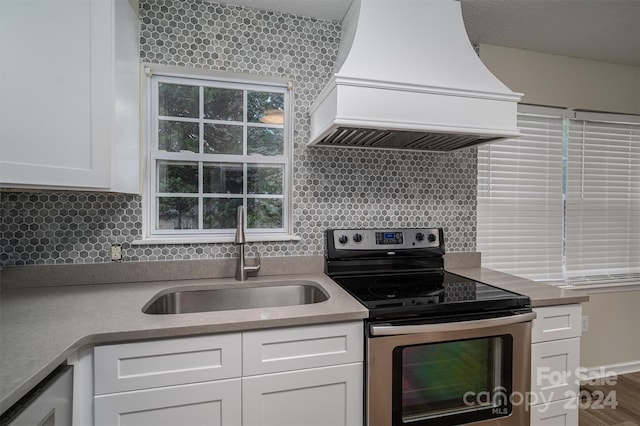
332	187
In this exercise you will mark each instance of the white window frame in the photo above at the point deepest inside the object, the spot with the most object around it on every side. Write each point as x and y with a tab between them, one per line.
157	73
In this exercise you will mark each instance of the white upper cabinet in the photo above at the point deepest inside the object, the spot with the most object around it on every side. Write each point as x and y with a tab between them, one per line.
69	110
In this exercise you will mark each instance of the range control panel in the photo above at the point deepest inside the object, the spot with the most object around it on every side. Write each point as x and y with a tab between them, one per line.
385	239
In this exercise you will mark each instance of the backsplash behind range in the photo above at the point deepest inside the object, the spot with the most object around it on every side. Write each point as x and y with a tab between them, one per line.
332	187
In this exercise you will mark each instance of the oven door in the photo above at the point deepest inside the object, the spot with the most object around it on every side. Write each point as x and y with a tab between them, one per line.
467	372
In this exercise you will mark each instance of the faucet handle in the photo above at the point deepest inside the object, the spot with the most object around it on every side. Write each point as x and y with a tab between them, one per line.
256	267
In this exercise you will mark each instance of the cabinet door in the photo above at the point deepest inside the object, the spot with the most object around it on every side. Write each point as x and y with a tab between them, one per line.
52	407
553	369
210	404
60	124
314	397
47	55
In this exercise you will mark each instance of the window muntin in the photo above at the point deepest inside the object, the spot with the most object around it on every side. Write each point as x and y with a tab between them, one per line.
216	145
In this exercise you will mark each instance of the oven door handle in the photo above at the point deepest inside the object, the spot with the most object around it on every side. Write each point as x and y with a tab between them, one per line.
394	330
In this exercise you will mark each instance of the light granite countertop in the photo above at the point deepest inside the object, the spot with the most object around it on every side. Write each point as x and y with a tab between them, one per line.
540	294
40	327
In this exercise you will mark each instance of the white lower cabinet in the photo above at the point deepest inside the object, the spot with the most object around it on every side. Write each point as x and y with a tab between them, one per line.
556	364
310	375
558	413
51	407
555	359
314	397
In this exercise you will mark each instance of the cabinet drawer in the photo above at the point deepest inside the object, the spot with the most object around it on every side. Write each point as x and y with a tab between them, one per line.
553	369
558	413
556	322
285	349
152	364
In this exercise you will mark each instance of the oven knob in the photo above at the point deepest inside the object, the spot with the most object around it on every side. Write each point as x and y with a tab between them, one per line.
419	236
343	239
432	238
357	238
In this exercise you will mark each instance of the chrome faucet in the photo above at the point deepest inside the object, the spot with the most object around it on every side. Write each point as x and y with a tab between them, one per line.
241	268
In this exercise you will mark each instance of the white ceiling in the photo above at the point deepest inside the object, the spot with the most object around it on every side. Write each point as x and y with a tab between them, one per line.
605	30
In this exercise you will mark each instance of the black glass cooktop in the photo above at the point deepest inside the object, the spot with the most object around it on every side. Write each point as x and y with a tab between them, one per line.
427	293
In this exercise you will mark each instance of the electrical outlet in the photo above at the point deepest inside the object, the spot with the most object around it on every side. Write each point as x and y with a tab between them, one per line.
116	252
585	323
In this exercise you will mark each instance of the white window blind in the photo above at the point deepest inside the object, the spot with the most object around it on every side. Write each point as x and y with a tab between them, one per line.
603	198
562	203
520	199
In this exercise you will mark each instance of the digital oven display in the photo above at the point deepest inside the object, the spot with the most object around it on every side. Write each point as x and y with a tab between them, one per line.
389	238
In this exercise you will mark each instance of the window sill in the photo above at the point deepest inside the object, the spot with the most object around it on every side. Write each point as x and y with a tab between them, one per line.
210	239
608	287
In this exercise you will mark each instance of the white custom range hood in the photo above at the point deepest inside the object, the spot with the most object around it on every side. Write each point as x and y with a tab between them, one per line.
407	77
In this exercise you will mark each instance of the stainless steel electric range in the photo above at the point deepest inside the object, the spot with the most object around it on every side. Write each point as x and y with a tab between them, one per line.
441	349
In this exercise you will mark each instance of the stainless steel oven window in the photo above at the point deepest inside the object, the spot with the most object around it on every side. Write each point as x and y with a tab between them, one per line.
453	382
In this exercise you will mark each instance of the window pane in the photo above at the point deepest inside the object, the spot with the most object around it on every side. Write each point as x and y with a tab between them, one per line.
220	213
176	136
222	139
222	178
177	177
264	180
265	141
222	104
178	100
177	213
264	213
263	107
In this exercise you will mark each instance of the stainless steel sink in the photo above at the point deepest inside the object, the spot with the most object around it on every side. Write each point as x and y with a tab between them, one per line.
225	299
